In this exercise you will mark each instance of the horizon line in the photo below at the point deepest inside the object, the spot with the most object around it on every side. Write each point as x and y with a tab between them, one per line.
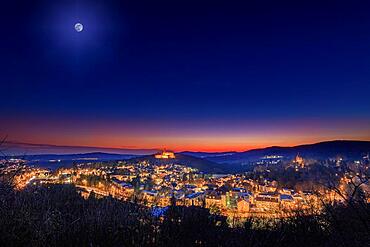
159	149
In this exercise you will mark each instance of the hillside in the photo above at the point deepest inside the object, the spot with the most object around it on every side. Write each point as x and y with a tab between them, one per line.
203	165
54	161
215	162
82	156
208	155
322	150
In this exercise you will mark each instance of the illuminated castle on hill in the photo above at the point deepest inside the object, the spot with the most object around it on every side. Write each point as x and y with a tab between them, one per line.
165	155
299	161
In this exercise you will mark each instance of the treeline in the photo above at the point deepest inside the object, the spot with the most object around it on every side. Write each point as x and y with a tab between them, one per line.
57	215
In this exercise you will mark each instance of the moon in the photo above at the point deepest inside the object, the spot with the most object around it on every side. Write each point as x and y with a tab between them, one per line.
79	27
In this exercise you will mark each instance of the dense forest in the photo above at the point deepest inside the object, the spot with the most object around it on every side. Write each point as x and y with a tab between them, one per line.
56	215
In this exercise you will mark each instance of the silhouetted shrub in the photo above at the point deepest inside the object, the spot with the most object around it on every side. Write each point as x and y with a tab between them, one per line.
57	215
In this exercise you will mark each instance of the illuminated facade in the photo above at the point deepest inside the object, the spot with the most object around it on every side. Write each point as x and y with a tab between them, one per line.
165	155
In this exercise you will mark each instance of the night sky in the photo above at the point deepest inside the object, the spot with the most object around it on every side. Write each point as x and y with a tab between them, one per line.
184	75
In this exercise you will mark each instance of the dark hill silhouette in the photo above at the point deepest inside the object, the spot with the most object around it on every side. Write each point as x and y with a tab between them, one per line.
183	159
224	162
54	161
82	156
208	154
321	150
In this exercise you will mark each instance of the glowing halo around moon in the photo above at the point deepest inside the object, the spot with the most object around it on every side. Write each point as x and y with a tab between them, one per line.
79	27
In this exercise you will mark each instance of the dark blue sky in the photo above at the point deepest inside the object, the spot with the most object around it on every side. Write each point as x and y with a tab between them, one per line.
192	67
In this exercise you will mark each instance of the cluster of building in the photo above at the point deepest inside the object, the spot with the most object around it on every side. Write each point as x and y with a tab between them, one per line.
17	171
169	183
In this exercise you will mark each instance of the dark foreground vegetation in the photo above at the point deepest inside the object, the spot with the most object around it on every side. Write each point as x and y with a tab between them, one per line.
58	216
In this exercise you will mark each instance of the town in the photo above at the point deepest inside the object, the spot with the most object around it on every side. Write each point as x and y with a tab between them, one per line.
165	183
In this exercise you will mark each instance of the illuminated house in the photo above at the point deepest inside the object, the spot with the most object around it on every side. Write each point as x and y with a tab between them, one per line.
213	199
165	155
194	199
267	201
243	205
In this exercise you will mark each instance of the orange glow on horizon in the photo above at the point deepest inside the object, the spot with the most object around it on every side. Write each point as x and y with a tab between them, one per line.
212	147
180	136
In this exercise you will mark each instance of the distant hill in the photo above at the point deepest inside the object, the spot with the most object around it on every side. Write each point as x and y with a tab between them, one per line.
20	148
321	150
82	156
54	161
215	162
203	165
208	155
